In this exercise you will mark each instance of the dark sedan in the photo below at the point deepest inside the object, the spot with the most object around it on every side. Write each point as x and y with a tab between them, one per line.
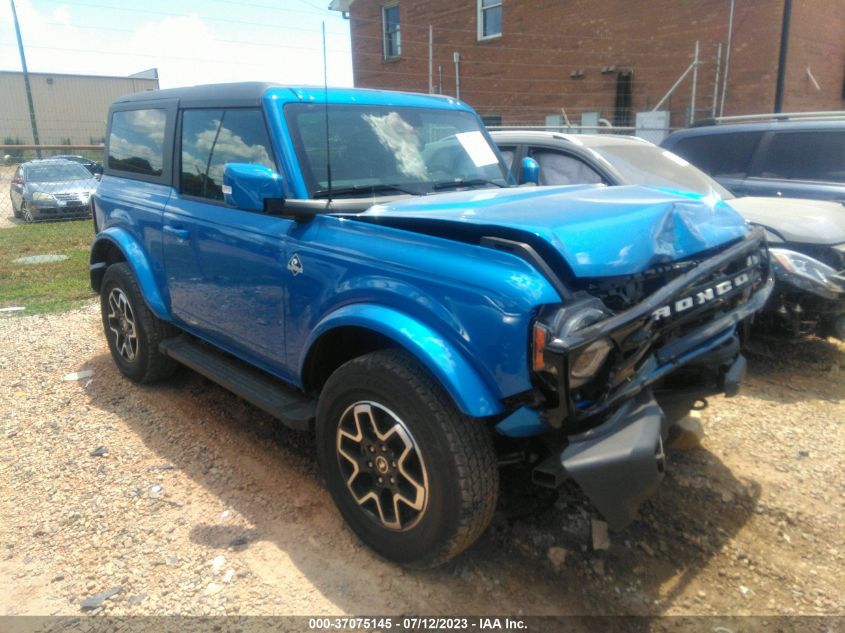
92	166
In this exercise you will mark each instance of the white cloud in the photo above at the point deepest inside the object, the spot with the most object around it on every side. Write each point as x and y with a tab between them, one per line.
123	149
62	14
398	136
186	49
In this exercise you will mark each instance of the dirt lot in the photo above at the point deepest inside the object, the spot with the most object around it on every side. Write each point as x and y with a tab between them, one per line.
202	505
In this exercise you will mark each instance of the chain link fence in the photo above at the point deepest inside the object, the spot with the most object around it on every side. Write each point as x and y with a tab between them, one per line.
45	225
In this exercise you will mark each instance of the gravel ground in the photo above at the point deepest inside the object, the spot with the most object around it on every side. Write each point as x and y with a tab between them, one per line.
180	498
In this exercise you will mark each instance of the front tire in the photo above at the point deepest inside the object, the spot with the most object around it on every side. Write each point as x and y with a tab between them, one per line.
132	330
26	213
413	477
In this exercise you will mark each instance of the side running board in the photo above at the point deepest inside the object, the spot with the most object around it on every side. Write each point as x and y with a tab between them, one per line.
291	407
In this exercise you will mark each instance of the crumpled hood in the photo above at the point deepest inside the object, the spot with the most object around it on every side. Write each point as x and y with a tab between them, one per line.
600	231
796	219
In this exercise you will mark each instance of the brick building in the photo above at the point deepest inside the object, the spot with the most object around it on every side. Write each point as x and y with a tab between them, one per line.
520	62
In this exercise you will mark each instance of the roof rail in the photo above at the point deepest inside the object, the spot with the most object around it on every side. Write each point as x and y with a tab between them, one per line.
781	116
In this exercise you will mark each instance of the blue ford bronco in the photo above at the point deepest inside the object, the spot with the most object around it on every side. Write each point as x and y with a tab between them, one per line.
359	264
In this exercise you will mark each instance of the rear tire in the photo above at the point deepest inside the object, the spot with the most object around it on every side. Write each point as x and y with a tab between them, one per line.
133	332
384	416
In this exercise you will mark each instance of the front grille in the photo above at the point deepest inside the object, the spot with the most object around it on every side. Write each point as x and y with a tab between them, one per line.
717	293
683	320
621	293
68	197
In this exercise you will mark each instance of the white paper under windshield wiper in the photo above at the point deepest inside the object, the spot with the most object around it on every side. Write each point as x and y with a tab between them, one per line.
358	189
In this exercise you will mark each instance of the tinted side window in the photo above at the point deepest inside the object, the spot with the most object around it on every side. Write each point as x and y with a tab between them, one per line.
136	141
727	155
557	168
805	156
212	138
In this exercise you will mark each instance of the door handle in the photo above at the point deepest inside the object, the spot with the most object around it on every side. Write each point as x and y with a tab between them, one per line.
179	234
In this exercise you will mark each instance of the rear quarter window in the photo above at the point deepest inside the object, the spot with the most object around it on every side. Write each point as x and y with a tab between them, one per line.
725	155
136	141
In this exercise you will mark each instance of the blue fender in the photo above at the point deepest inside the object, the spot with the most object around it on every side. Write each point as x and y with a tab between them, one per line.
469	392
137	259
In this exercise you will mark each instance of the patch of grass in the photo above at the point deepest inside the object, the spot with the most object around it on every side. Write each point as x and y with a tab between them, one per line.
46	287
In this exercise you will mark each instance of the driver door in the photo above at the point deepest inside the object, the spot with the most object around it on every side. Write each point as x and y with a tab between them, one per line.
226	267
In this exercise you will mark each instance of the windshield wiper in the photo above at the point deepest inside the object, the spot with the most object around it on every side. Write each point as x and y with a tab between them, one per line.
358	189
458	182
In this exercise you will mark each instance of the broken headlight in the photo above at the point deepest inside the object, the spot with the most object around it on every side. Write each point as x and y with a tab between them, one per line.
566	327
805	272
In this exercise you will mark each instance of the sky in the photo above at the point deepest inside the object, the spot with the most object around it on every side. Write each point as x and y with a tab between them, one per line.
189	41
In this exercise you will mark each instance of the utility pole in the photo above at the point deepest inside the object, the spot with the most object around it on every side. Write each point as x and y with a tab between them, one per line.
784	47
694	84
716	82
727	58
430	60
456	57
26	79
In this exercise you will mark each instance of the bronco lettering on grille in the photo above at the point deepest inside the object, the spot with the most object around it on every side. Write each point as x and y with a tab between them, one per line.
707	295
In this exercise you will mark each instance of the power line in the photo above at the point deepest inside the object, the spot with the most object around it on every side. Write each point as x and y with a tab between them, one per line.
77	3
119	30
154	56
380	54
557	35
416	75
546	50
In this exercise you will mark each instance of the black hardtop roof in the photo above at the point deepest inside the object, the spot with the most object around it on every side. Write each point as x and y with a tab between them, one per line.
245	93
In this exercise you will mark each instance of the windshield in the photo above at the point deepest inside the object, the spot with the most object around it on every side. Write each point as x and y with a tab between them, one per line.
57	173
641	164
388	149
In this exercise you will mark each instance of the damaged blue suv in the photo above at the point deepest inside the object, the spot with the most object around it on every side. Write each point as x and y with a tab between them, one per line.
359	264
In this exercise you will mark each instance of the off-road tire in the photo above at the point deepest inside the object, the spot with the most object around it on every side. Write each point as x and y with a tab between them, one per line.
457	452
147	363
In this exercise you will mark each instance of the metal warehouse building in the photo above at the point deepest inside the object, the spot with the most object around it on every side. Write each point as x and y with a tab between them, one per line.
69	109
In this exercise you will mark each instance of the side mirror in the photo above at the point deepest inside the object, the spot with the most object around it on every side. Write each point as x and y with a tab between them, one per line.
530	171
247	186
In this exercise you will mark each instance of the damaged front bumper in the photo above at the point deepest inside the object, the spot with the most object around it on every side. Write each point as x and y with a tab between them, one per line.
620	463
603	410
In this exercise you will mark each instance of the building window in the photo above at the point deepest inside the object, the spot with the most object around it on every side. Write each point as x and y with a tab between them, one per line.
489	19
390	31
